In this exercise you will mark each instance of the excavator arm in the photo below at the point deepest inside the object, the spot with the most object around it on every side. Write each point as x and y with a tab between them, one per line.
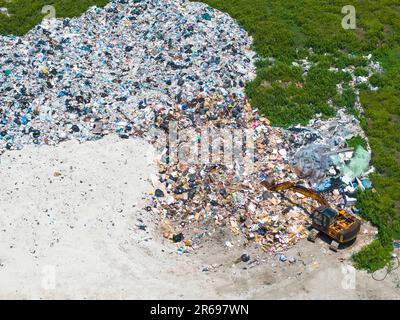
291	185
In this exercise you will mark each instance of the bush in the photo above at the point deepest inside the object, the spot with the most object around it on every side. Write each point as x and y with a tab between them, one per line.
373	256
357	141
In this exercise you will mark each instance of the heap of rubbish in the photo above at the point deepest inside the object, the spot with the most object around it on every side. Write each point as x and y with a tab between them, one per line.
138	66
217	191
208	190
116	69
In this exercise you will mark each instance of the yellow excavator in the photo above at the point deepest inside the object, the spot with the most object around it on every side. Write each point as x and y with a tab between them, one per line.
339	225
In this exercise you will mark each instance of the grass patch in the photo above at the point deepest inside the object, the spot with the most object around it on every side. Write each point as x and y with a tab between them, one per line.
373	256
356	141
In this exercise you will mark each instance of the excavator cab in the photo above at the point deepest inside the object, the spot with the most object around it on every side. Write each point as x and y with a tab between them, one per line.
339	225
323	218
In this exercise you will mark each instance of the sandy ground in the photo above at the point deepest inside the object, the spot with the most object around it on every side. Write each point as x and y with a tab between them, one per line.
69	228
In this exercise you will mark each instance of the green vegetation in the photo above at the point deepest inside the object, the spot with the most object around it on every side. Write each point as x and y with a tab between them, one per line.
381	211
357	141
286	30
373	256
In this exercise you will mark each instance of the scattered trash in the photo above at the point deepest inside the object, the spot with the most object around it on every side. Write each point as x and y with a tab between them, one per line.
324	186
159	193
177	237
5	11
142	226
359	163
167	229
312	161
367	183
228	244
212	267
182	250
394	265
355	210
245	257
188	243
282	258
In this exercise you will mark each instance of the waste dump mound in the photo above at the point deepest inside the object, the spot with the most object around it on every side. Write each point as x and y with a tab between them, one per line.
207	182
116	69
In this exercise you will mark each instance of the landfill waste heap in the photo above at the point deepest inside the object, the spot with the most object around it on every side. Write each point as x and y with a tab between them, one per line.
133	66
200	197
75	78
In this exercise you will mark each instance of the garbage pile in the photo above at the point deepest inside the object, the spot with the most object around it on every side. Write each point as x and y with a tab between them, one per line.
198	195
320	154
331	134
116	69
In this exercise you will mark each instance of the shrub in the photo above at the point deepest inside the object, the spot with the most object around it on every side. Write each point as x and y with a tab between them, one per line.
373	256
